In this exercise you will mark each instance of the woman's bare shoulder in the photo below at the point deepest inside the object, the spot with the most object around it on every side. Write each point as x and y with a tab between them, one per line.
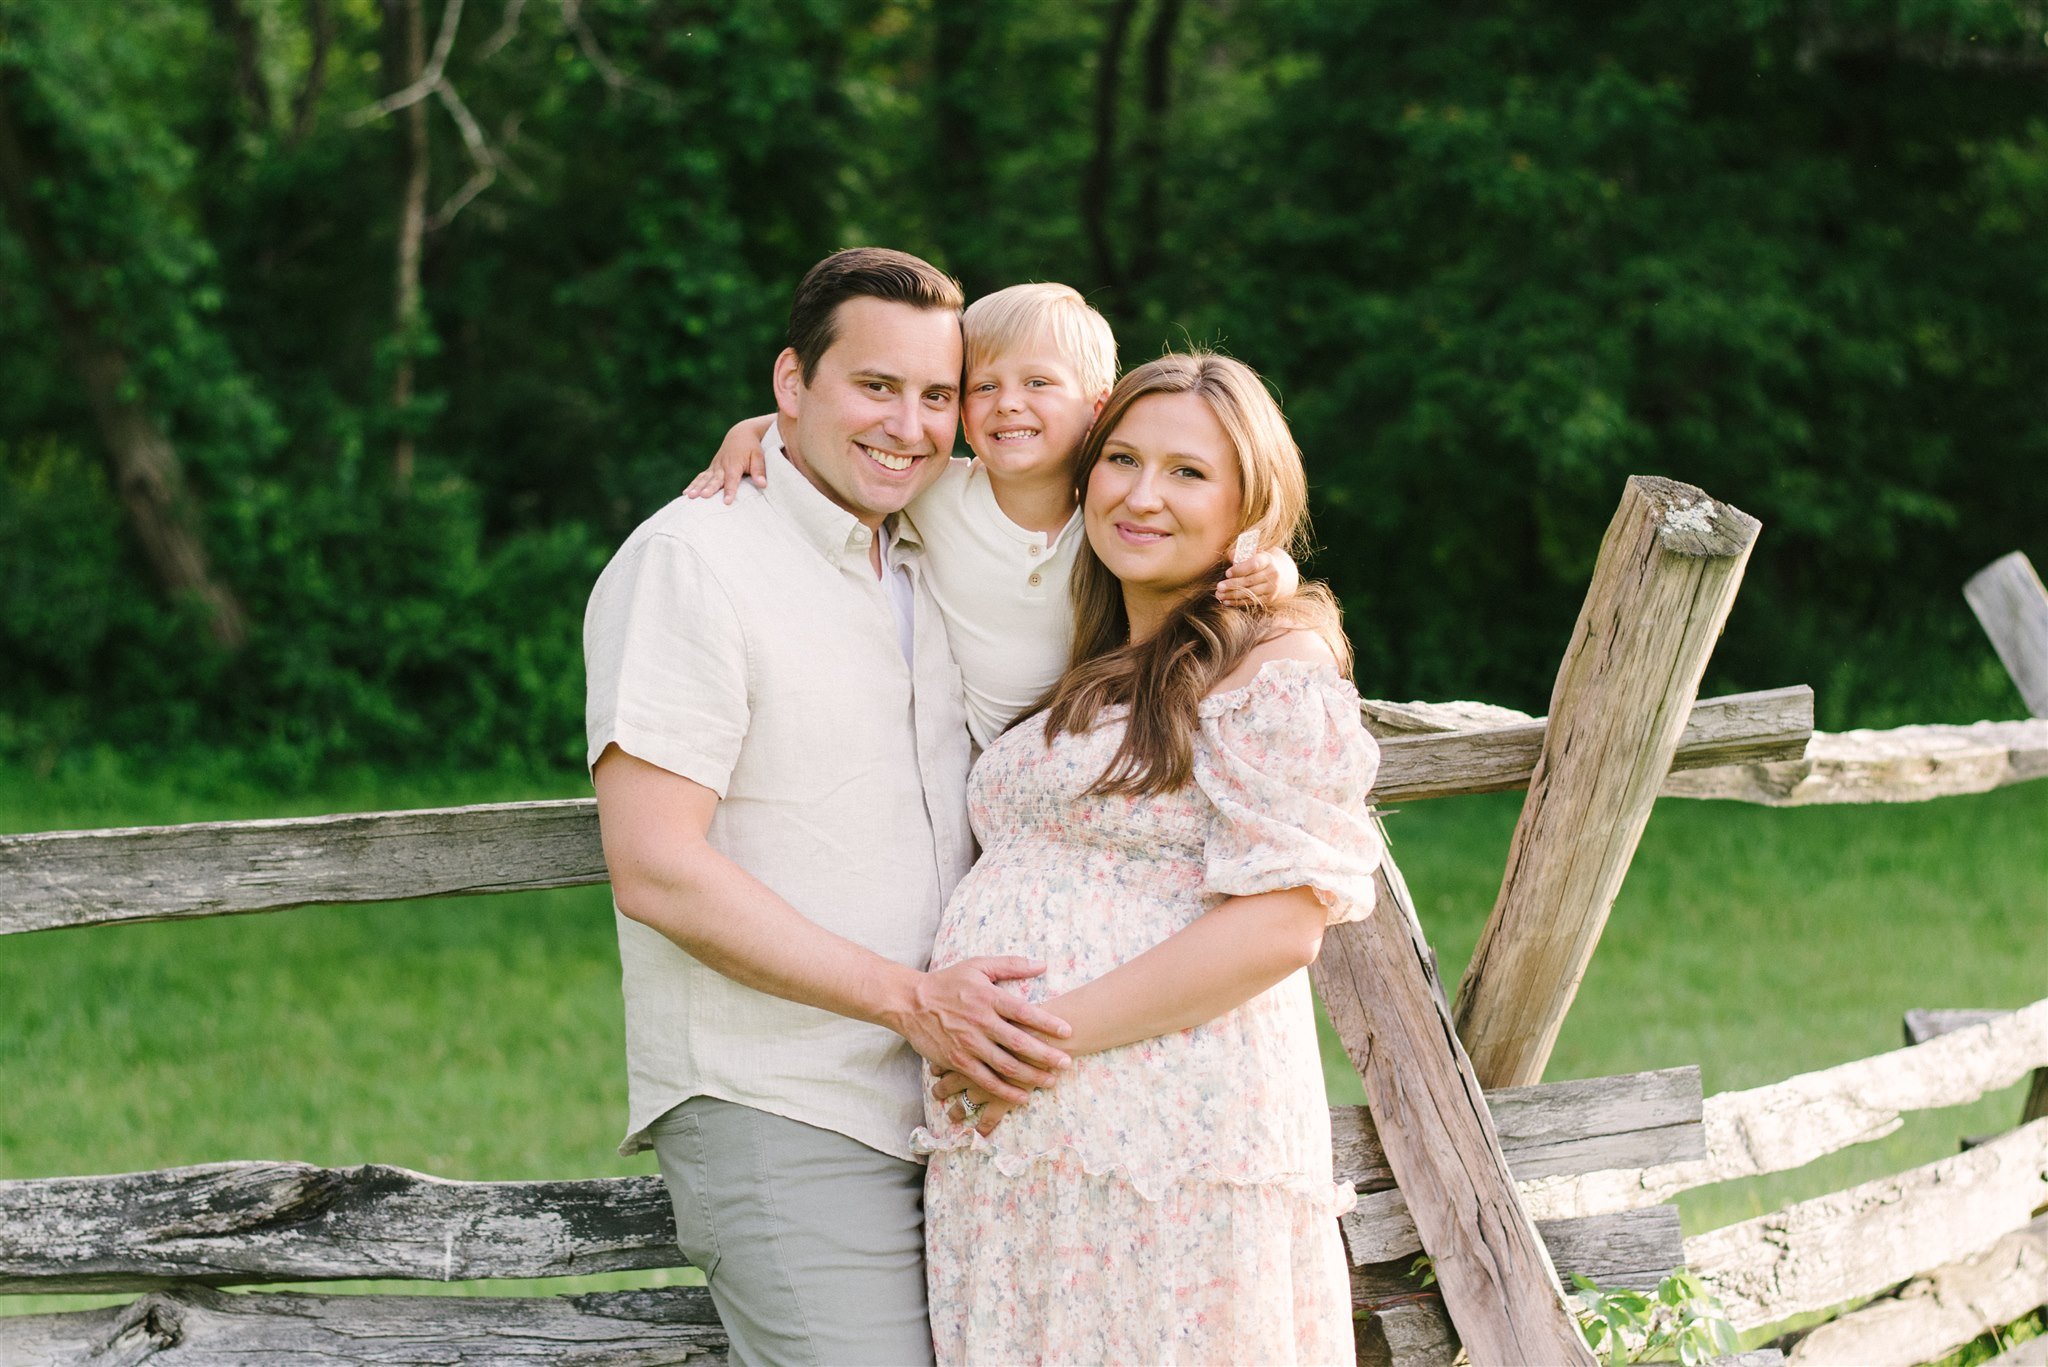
1294	643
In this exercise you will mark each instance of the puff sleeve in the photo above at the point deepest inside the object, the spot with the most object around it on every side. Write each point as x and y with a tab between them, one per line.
1287	763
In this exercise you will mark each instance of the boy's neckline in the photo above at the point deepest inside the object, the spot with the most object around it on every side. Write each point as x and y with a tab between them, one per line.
1037	502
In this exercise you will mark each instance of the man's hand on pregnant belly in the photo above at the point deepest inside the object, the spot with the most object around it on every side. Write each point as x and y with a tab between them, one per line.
961	1019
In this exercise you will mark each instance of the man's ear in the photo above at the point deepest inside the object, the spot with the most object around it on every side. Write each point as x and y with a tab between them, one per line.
789	384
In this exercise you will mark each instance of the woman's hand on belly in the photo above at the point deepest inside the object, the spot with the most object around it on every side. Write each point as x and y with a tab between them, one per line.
966	1102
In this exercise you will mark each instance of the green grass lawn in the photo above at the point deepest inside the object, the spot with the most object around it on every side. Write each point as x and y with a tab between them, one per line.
480	1038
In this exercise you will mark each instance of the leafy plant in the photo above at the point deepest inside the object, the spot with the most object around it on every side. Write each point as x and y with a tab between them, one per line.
1682	1318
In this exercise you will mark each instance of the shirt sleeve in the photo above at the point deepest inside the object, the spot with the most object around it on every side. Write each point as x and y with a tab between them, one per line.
665	663
1288	763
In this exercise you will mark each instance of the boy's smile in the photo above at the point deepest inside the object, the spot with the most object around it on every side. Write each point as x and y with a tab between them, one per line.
1025	411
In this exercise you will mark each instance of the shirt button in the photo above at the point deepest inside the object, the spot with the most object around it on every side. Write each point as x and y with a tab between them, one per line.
1035	580
860	536
1034	550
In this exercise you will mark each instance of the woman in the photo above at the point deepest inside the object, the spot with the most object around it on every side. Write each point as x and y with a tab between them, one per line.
1170	832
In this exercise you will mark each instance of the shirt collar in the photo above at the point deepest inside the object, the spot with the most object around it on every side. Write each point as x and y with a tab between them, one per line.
834	531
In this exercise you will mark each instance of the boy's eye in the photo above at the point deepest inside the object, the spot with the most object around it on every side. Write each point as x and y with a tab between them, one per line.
1040	383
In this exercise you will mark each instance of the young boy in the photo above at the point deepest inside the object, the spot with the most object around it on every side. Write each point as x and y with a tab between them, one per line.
1001	530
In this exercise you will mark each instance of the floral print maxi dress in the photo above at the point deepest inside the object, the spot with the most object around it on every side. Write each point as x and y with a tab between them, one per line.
1170	1201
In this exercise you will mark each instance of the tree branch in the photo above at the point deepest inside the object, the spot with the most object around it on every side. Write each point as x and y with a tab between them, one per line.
429	77
508	29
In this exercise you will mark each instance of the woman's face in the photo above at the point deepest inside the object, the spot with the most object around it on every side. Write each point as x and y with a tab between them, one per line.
1166	499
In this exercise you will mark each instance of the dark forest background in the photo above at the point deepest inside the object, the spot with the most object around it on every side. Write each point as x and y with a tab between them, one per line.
341	340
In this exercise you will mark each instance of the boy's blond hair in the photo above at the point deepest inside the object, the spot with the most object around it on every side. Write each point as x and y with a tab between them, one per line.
1016	316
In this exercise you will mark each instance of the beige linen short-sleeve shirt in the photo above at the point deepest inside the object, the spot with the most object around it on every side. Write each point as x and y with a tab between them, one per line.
751	648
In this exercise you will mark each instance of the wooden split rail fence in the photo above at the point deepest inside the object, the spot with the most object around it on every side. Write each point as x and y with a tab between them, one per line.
1501	1179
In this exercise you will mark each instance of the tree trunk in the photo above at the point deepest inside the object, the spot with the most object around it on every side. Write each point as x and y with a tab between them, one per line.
1151	141
1095	187
412	231
141	462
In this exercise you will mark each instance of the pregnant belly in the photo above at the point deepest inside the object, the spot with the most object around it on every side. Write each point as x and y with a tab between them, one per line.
1081	912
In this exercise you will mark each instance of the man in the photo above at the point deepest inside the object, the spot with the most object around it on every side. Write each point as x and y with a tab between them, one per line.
779	746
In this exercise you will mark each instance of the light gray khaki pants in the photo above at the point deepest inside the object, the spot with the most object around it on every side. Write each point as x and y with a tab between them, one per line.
812	1243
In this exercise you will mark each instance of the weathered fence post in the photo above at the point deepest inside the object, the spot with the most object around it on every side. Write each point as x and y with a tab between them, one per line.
1666	577
1378	983
2012	605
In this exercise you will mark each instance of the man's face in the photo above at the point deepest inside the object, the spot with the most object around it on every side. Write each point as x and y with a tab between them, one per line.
874	426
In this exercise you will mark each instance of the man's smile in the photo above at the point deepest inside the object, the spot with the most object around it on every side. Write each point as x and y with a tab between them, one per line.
888	460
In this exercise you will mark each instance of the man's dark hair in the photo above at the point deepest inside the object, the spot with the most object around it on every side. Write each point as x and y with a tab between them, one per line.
861	273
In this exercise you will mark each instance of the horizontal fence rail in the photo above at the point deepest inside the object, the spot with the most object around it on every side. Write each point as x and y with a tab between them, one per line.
193	1324
1939	1310
1788	1124
1857	1242
1907	764
241	1223
1409	1327
79	878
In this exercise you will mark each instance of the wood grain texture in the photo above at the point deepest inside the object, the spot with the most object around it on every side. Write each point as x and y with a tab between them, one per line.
1376	979
232	1223
1906	764
196	1326
1938	1312
55	879
225	1224
1408	1326
1632	1248
1666	577
1769	726
1821	1252
2012	607
1788	1124
1922	1025
1554	1128
224	868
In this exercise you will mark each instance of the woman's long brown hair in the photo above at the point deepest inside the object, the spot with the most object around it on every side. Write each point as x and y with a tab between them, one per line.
1163	678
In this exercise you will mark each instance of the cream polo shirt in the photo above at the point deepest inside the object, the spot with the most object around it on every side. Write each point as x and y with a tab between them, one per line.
752	649
1002	591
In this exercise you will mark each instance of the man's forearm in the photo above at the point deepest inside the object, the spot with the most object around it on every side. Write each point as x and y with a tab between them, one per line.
727	919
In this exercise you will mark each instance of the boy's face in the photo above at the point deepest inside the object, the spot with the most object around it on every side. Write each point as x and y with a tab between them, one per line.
1025	411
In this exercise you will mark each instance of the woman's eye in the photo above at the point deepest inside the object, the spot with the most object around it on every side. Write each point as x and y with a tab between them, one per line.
1119	458
1191	472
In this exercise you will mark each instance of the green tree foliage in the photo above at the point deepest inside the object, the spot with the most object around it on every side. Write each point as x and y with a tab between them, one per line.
1494	259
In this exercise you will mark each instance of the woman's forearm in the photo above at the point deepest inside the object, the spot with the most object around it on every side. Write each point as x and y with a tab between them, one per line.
1214	965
